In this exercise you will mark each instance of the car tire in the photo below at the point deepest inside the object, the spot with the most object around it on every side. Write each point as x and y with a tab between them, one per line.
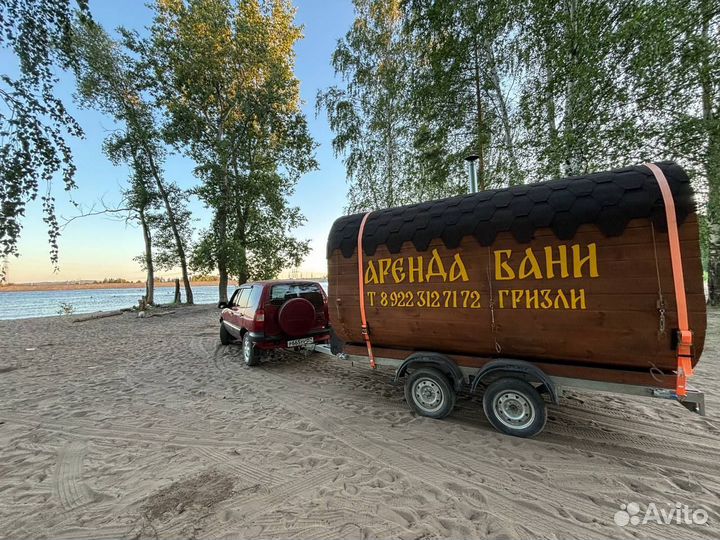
429	393
250	355
225	337
514	407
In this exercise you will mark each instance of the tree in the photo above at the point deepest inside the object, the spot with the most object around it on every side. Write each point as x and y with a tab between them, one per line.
369	113
419	98
167	255
224	73
140	200
676	69
111	80
33	122
576	93
461	95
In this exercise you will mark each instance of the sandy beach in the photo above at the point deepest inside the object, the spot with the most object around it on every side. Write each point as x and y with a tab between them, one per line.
148	428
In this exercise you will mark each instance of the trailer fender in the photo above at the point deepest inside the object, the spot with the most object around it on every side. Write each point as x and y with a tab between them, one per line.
439	361
528	372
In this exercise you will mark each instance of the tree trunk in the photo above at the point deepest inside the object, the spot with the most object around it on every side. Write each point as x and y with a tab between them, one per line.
573	154
712	171
514	176
553	169
221	210
714	260
173	225
713	222
481	175
241	251
150	278
177	298
712	162
222	263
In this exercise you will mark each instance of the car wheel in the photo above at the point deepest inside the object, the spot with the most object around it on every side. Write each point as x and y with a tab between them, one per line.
515	407
225	337
250	355
429	393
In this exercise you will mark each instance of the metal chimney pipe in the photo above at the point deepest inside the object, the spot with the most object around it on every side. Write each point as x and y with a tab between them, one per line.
471	159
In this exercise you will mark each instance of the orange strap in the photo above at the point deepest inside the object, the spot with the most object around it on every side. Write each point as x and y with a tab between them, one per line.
684	347
361	290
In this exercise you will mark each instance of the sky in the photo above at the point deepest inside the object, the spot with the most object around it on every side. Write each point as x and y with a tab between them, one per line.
100	247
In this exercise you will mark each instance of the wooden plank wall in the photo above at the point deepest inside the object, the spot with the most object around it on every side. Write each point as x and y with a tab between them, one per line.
618	326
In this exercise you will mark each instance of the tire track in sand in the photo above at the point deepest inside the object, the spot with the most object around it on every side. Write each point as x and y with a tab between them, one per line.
247	471
426	474
433	473
247	507
102	533
463	461
605	439
124	432
68	485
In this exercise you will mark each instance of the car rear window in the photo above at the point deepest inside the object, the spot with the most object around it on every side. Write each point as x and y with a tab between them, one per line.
281	293
255	296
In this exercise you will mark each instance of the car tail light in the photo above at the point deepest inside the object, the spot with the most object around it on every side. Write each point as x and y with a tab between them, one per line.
259	316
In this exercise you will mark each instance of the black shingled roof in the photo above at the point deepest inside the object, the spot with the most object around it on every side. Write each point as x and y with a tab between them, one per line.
607	199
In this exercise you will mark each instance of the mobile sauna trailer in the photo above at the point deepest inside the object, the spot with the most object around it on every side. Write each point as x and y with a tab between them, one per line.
592	282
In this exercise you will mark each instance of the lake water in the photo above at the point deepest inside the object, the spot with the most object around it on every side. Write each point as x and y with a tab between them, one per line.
20	305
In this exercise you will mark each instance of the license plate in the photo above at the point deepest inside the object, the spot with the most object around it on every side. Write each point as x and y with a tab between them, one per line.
300	342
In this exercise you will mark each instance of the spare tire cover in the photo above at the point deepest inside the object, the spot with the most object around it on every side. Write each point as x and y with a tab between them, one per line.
296	317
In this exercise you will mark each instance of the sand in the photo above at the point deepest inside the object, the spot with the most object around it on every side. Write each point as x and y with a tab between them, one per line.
148	428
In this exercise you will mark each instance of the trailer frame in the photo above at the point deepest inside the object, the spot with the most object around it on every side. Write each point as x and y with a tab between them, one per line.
554	386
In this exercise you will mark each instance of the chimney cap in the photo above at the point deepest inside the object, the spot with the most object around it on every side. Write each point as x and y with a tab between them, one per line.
472	157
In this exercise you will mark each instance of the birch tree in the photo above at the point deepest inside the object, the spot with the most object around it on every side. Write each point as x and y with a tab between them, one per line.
676	67
111	80
462	97
223	72
34	123
576	92
426	83
369	111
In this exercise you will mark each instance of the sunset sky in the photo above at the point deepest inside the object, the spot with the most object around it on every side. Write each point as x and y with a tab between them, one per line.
99	247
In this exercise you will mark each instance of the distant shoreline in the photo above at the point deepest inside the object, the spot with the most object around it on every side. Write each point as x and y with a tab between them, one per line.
29	287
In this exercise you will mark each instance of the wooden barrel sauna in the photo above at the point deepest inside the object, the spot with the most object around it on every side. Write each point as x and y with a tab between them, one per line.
573	274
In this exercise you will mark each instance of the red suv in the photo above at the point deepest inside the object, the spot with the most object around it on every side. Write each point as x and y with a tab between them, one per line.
274	315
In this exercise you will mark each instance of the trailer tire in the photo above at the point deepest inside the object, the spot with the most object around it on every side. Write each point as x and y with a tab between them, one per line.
225	337
429	393
514	407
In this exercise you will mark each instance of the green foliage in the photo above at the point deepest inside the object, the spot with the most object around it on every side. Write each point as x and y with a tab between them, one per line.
369	114
677	76
167	256
417	99
116	82
223	71
535	88
576	96
463	81
33	122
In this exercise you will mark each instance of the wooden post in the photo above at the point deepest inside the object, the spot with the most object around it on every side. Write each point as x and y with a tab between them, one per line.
177	291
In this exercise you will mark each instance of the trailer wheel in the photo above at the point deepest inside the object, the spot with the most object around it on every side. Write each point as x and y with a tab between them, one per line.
225	337
429	393
514	407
